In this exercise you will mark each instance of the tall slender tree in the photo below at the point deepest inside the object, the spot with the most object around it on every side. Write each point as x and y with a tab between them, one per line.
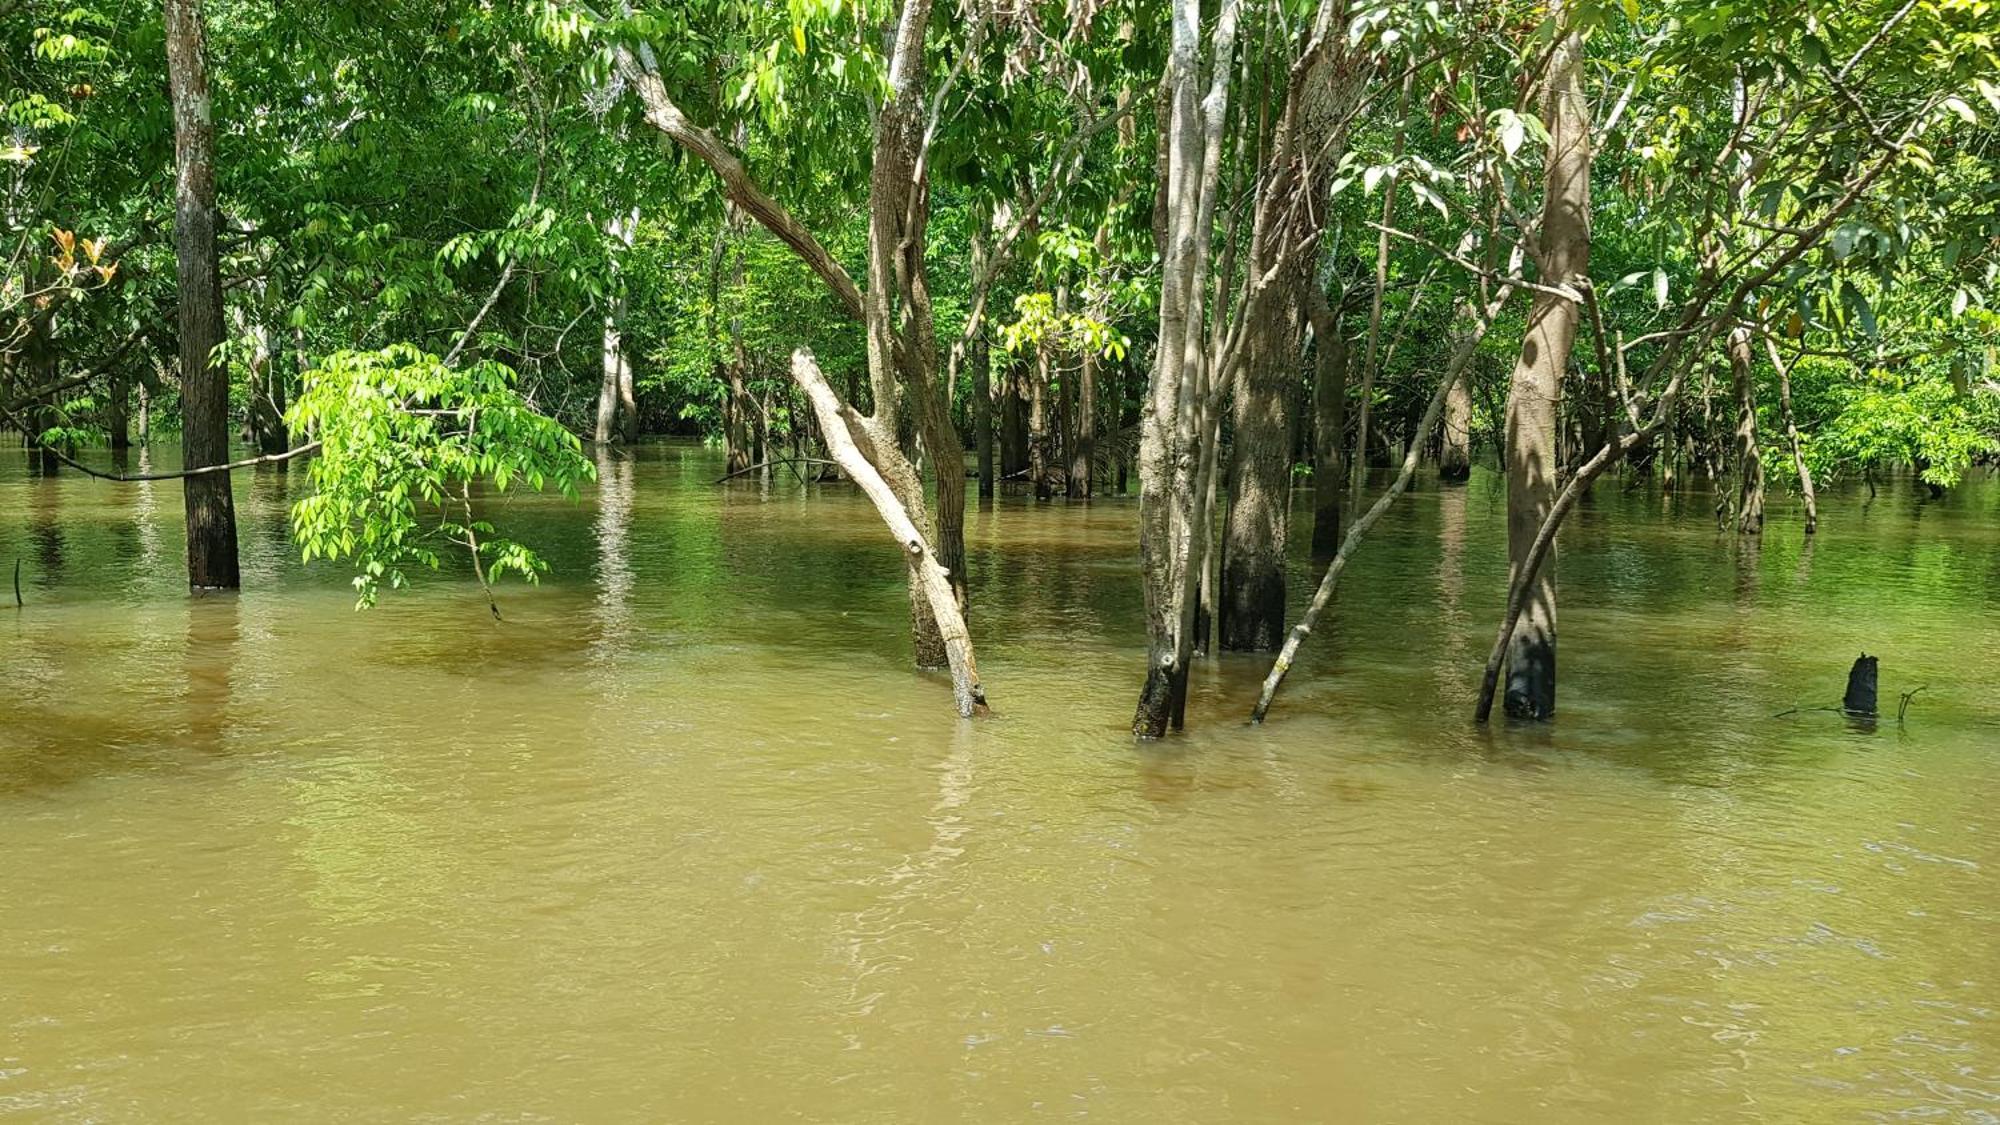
1535	393
211	510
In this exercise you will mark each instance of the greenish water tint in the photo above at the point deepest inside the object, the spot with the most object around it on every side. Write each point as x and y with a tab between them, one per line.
682	839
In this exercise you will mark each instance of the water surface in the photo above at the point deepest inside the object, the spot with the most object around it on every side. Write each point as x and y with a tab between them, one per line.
682	839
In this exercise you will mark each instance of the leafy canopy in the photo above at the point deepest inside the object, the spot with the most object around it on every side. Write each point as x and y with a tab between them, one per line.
405	438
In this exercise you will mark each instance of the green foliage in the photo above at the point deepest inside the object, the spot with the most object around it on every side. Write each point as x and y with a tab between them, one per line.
404	441
1915	418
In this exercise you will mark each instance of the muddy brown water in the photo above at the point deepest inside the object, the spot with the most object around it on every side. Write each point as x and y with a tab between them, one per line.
682	839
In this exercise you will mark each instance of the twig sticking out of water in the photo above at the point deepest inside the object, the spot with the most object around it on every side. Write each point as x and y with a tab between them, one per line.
1904	707
17	584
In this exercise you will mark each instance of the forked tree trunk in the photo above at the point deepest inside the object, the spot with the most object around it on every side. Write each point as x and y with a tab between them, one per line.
1792	436
1536	390
1172	422
895	310
210	507
1749	459
837	424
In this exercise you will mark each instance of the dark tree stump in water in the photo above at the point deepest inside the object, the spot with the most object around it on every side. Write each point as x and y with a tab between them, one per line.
1861	687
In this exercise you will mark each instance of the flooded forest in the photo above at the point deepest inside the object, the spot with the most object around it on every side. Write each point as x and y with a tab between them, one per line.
988	560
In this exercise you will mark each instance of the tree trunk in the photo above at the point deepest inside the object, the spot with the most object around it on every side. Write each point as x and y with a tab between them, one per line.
1455	452
1041	452
1749	459
1083	428
1369	366
1536	389
1172	522
1455	435
118	412
613	354
738	406
614	390
1252	601
982	414
1792	436
894	310
1014	421
210	507
1329	424
839	424
276	397
628	390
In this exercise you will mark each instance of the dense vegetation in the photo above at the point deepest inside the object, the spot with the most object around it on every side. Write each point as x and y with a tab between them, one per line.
1206	251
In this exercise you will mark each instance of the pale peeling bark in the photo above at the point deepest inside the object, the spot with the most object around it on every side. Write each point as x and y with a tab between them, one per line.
210	507
1749	459
1171	522
1535	393
895	310
836	425
614	393
1792	436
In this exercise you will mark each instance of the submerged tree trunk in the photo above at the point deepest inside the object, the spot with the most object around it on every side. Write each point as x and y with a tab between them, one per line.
1749	460
1322	595
842	428
1536	389
1252	604
1455	443
894	311
1172	421
1329	423
1083	429
614	394
1455	433
1041	449
210	507
982	388
1792	436
1013	421
118	412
